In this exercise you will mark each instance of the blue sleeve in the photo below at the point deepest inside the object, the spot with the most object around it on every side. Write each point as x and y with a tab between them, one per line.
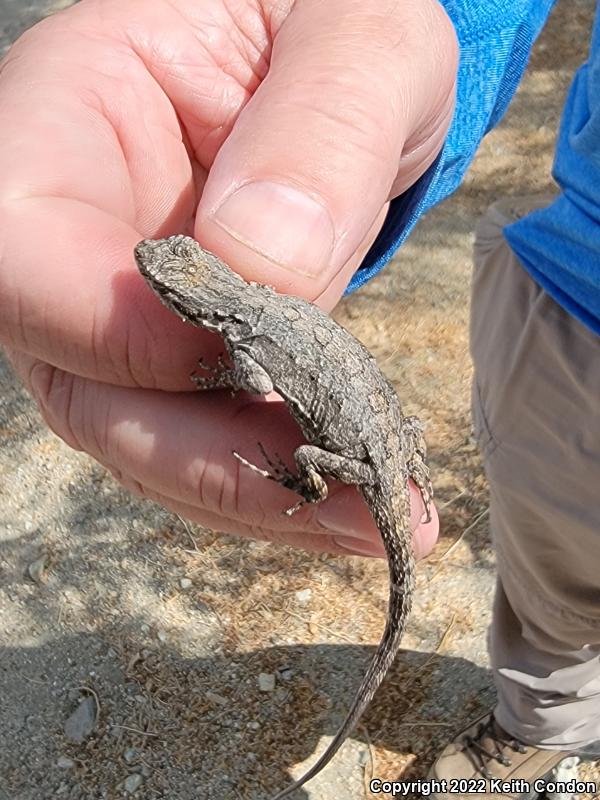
495	39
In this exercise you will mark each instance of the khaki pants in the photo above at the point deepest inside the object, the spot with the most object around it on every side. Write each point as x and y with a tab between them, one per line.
536	409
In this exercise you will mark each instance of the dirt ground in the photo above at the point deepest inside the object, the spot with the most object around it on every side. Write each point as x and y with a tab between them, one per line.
164	629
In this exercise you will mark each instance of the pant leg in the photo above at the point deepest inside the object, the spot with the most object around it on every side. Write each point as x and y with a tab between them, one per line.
536	410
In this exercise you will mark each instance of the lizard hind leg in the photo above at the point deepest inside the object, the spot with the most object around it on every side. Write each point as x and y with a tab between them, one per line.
312	463
309	485
416	460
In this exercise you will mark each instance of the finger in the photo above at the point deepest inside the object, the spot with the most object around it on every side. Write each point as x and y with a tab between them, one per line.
424	533
360	535
332	293
313	157
290	533
316	542
71	295
178	446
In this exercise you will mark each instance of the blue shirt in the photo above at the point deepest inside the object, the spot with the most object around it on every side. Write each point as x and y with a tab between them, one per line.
559	245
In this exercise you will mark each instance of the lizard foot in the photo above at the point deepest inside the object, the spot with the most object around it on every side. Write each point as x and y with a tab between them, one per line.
416	462
311	490
221	376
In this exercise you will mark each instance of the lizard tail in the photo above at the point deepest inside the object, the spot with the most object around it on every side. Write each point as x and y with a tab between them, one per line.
398	546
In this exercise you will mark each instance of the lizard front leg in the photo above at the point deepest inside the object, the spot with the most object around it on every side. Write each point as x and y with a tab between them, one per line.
244	374
313	463
221	375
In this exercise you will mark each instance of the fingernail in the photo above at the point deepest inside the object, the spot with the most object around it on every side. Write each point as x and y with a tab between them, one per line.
360	547
280	223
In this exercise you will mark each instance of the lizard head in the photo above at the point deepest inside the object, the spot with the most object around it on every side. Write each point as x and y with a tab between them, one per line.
189	280
178	259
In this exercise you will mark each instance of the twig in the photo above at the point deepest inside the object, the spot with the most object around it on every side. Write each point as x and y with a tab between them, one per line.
454	499
135	730
153	563
422	724
33	680
188	531
368	778
468	529
455	544
427	662
431	657
437	650
442	641
96	699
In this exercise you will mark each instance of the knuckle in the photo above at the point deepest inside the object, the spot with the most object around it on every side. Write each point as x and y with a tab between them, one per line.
135	487
66	406
53	390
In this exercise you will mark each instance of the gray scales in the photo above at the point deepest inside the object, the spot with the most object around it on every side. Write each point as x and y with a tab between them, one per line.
347	411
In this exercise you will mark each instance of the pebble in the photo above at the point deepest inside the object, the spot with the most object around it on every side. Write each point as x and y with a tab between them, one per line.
37	569
266	682
185	583
130	754
64	762
81	722
216	698
303	596
161	636
133	783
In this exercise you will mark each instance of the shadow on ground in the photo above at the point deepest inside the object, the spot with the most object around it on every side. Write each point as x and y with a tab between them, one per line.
179	722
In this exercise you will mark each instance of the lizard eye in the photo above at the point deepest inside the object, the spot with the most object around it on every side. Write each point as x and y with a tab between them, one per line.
184	246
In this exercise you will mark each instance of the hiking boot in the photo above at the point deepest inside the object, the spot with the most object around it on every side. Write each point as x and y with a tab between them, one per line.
486	762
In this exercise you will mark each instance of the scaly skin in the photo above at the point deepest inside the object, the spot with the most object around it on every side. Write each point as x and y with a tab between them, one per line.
348	412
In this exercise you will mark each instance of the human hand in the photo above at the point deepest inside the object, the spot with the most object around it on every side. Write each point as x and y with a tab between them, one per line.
275	133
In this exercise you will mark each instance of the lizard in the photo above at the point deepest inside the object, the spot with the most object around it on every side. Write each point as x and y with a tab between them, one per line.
346	409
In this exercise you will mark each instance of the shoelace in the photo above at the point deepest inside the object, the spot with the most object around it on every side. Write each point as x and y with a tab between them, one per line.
479	755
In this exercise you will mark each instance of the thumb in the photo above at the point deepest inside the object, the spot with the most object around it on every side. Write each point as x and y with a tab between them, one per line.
301	183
